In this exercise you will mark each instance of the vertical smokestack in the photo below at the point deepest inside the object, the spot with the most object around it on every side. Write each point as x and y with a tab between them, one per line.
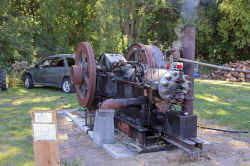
189	53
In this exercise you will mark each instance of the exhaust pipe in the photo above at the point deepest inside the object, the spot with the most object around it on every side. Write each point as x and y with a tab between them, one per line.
189	53
114	104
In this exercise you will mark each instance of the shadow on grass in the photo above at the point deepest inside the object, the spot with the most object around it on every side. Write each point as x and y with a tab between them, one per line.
224	102
15	120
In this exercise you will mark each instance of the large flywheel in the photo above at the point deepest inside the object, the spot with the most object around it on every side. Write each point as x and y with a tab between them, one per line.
141	53
83	74
147	54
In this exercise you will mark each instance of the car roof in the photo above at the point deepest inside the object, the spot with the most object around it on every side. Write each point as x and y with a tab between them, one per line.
62	55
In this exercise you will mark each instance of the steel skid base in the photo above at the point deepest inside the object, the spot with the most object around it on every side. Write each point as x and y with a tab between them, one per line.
148	140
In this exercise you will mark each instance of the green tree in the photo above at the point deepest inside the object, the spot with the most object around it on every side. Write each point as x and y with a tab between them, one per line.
234	28
31	29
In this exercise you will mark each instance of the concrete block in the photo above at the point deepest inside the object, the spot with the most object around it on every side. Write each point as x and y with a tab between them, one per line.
105	136
68	119
104	128
78	121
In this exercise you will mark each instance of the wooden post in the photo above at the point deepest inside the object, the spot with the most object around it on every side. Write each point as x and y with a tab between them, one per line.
45	143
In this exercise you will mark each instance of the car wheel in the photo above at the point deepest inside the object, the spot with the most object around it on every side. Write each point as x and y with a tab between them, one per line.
67	85
28	83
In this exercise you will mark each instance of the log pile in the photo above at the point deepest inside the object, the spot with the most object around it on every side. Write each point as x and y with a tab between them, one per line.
233	76
20	66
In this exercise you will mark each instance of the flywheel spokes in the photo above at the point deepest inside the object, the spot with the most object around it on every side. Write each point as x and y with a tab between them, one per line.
83	74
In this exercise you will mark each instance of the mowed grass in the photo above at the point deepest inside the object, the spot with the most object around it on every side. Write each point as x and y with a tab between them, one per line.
226	103
16	105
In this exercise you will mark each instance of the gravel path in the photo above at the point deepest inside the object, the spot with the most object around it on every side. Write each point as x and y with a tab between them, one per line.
226	149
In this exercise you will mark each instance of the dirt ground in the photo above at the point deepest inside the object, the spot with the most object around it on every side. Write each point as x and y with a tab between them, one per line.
226	149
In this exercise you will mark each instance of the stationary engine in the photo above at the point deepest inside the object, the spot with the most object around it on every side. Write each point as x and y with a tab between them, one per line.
147	98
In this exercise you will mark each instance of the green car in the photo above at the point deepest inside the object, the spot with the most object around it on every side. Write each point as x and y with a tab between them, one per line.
51	71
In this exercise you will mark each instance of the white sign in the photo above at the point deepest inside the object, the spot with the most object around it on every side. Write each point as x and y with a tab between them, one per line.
44	132
43	117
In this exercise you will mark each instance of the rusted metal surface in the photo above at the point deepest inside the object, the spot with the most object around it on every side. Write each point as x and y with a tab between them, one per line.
114	104
84	74
202	144
193	146
124	127
185	145
189	53
141	53
76	74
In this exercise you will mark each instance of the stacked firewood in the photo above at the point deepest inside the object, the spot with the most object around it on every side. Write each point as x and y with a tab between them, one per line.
233	76
20	66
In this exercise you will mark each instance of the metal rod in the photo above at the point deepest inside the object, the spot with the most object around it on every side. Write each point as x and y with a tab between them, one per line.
211	65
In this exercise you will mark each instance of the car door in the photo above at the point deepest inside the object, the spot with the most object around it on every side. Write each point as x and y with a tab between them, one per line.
56	71
69	61
40	72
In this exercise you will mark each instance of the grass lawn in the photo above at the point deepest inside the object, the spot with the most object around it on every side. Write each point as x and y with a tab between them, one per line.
15	122
227	103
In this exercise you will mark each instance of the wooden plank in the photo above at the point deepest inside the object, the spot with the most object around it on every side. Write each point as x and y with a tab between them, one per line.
46	149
